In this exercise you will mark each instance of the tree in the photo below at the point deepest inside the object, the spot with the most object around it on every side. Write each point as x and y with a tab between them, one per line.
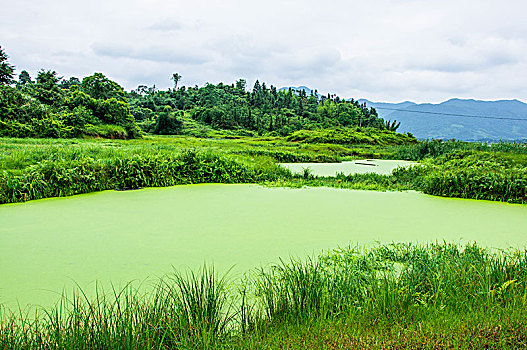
100	87
241	84
256	87
6	70
176	78
141	90
66	84
391	126
167	124
24	78
47	89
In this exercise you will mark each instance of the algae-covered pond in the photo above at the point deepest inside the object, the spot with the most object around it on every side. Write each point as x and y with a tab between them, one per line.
49	245
379	166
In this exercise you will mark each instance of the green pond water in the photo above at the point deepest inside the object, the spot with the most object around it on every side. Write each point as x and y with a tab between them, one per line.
47	246
379	166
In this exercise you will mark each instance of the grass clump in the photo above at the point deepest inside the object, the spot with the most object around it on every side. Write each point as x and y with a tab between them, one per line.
393	295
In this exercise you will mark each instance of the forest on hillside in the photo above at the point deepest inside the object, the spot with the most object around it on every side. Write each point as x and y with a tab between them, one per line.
52	106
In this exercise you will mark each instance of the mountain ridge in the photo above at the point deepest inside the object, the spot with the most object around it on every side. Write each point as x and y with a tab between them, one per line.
458	118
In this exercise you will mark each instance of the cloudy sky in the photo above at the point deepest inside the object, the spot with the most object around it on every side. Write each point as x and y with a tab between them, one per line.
383	50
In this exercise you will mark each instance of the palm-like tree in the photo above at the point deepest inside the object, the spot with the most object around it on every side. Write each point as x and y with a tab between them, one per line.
176	77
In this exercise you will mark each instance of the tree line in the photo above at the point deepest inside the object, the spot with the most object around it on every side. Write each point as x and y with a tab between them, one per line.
262	109
52	106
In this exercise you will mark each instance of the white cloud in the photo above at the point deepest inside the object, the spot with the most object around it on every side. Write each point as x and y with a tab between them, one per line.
382	49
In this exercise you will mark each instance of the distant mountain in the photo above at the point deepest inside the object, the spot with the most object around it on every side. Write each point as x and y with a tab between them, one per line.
426	125
400	105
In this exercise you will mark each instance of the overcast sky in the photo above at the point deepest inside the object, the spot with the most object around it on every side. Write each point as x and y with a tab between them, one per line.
382	50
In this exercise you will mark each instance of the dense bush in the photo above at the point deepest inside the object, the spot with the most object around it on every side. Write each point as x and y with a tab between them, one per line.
349	136
45	109
469	174
56	178
436	148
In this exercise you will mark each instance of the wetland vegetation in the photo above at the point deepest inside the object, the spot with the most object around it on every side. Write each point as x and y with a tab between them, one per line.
63	137
389	296
38	168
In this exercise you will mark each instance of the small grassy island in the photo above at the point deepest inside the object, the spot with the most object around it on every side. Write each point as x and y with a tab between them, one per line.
63	137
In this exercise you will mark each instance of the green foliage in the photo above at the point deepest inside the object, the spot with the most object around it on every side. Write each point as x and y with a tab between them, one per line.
347	136
11	128
43	109
492	174
393	126
70	108
176	77
202	305
426	149
6	69
436	148
106	131
263	110
72	81
50	127
470	174
113	111
56	178
78	117
19	107
47	90
100	87
24	79
168	124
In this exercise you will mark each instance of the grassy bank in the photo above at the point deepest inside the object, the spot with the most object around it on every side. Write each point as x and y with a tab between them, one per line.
69	177
401	295
41	168
470	174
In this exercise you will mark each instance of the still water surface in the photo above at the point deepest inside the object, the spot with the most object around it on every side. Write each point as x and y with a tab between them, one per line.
51	244
379	166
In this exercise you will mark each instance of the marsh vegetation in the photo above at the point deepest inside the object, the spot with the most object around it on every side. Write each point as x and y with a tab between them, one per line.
424	292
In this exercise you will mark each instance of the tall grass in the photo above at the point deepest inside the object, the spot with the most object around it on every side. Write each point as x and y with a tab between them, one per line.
437	148
63	178
469	174
390	279
190	311
383	285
